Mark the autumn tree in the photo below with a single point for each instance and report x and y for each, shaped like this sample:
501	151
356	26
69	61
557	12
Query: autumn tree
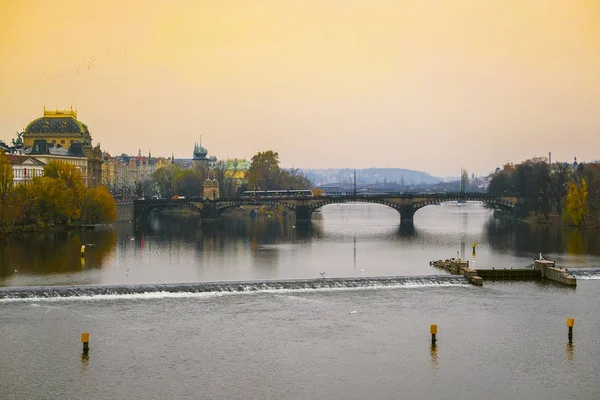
6	183
576	203
98	206
71	176
53	200
263	173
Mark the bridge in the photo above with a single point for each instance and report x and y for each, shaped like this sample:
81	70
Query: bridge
406	204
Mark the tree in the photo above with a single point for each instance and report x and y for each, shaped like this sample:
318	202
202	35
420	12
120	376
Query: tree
188	183
6	190
71	175
6	179
53	200
577	202
265	174
98	206
162	180
264	171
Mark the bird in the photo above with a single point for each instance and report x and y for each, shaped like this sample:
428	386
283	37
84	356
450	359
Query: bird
323	275
16	270
89	244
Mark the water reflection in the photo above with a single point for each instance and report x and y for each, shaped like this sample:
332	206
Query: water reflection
531	238
348	240
570	351
434	355
85	361
55	252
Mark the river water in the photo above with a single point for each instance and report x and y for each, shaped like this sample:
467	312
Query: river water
157	331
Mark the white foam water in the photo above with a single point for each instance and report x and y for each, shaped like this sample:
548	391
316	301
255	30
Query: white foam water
211	289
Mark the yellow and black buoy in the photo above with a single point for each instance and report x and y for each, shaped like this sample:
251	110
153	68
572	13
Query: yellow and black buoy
570	323
82	250
433	330
85	339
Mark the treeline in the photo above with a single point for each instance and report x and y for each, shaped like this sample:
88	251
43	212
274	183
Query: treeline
559	189
57	198
264	174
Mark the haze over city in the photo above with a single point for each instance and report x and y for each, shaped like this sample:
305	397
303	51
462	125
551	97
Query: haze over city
426	85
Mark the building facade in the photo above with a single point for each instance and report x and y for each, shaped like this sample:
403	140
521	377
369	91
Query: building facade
74	155
25	168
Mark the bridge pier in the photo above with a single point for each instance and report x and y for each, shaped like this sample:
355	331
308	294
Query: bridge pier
303	213
208	212
407	215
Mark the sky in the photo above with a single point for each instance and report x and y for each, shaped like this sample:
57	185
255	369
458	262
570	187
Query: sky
430	85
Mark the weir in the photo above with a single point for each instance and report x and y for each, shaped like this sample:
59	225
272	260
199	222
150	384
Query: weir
41	292
542	269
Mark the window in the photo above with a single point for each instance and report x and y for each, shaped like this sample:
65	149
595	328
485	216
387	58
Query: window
62	142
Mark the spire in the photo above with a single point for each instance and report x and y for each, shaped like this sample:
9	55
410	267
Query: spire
139	152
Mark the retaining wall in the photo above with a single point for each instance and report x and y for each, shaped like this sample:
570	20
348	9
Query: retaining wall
125	211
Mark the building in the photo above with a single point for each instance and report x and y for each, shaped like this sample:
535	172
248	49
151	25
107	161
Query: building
127	175
211	189
61	129
74	155
25	168
237	171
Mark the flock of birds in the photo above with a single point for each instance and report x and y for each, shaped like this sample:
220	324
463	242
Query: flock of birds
86	65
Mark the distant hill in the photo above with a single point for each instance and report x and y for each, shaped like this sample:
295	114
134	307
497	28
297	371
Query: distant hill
398	176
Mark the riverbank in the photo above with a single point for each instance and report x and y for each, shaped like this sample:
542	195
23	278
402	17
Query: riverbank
557	220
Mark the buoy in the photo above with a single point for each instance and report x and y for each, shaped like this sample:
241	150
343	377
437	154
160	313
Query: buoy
82	249
85	339
433	330
570	323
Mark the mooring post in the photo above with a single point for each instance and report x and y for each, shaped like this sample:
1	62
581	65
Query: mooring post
85	339
570	323
433	331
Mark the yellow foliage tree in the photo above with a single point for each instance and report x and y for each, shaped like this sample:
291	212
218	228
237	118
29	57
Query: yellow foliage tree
52	199
6	183
98	206
576	204
71	176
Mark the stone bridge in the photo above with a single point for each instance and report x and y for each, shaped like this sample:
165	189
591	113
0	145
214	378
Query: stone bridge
303	207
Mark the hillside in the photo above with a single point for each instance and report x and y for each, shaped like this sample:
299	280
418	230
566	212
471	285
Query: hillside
399	176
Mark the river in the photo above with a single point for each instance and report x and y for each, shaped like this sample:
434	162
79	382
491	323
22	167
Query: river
316	337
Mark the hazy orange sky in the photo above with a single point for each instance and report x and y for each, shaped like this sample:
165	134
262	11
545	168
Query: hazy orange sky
432	85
